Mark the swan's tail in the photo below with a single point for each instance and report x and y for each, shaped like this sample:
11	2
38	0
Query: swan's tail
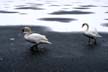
46	42
97	34
49	42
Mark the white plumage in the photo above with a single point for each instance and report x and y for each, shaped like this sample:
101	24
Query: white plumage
35	38
91	35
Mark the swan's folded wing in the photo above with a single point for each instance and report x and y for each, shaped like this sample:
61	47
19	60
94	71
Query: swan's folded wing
92	34
37	38
95	34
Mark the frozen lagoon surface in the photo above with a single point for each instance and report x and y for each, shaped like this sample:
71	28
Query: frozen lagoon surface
58	15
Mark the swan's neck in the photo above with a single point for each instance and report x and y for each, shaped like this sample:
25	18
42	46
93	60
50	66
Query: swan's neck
87	27
26	35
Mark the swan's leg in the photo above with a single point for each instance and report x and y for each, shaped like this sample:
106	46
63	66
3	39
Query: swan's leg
95	41
89	41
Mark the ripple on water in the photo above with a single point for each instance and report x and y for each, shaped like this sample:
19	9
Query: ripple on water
105	19
106	12
76	12
58	19
104	6
81	8
36	4
4	11
31	8
105	24
88	6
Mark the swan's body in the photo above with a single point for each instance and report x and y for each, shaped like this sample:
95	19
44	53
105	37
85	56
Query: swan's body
35	38
91	35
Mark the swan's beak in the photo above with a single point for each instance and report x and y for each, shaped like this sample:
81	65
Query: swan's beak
22	30
50	43
83	25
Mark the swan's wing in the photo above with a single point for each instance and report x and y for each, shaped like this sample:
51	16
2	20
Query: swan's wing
92	34
88	34
96	33
35	37
96	30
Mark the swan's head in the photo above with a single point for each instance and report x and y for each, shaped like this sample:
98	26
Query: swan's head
85	24
26	30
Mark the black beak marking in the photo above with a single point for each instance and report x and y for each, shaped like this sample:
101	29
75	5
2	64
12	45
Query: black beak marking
22	30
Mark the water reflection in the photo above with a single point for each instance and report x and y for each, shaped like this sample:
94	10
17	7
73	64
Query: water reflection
104	6
39	51
55	5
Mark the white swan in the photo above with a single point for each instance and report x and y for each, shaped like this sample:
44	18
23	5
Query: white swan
34	38
91	35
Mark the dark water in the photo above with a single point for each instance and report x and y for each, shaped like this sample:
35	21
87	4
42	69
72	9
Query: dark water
68	53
